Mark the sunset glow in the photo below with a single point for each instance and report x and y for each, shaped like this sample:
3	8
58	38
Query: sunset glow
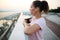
24	4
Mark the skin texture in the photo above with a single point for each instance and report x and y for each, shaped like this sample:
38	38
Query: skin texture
30	30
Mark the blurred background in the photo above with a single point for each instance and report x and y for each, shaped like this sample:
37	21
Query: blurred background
10	11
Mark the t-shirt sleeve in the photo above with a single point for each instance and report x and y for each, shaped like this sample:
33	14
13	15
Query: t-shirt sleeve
41	24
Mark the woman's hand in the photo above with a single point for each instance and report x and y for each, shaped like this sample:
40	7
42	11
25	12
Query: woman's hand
25	23
30	29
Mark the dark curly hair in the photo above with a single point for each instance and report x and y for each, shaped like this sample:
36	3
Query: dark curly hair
43	5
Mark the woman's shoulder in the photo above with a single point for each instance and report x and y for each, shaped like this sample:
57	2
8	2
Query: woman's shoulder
41	22
42	19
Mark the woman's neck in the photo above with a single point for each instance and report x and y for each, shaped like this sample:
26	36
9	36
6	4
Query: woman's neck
38	15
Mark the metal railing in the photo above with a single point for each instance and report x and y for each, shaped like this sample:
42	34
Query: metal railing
5	36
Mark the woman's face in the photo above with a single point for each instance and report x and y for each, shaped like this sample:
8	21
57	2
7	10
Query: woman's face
33	10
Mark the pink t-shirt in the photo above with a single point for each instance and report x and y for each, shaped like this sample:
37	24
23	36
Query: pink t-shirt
39	34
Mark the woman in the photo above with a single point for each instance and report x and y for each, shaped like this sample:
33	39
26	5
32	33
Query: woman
34	29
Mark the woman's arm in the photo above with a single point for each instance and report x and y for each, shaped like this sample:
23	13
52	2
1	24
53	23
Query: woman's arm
31	29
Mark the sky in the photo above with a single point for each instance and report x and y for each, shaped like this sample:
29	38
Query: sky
24	4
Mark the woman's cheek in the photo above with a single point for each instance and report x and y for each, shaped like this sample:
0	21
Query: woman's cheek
31	11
